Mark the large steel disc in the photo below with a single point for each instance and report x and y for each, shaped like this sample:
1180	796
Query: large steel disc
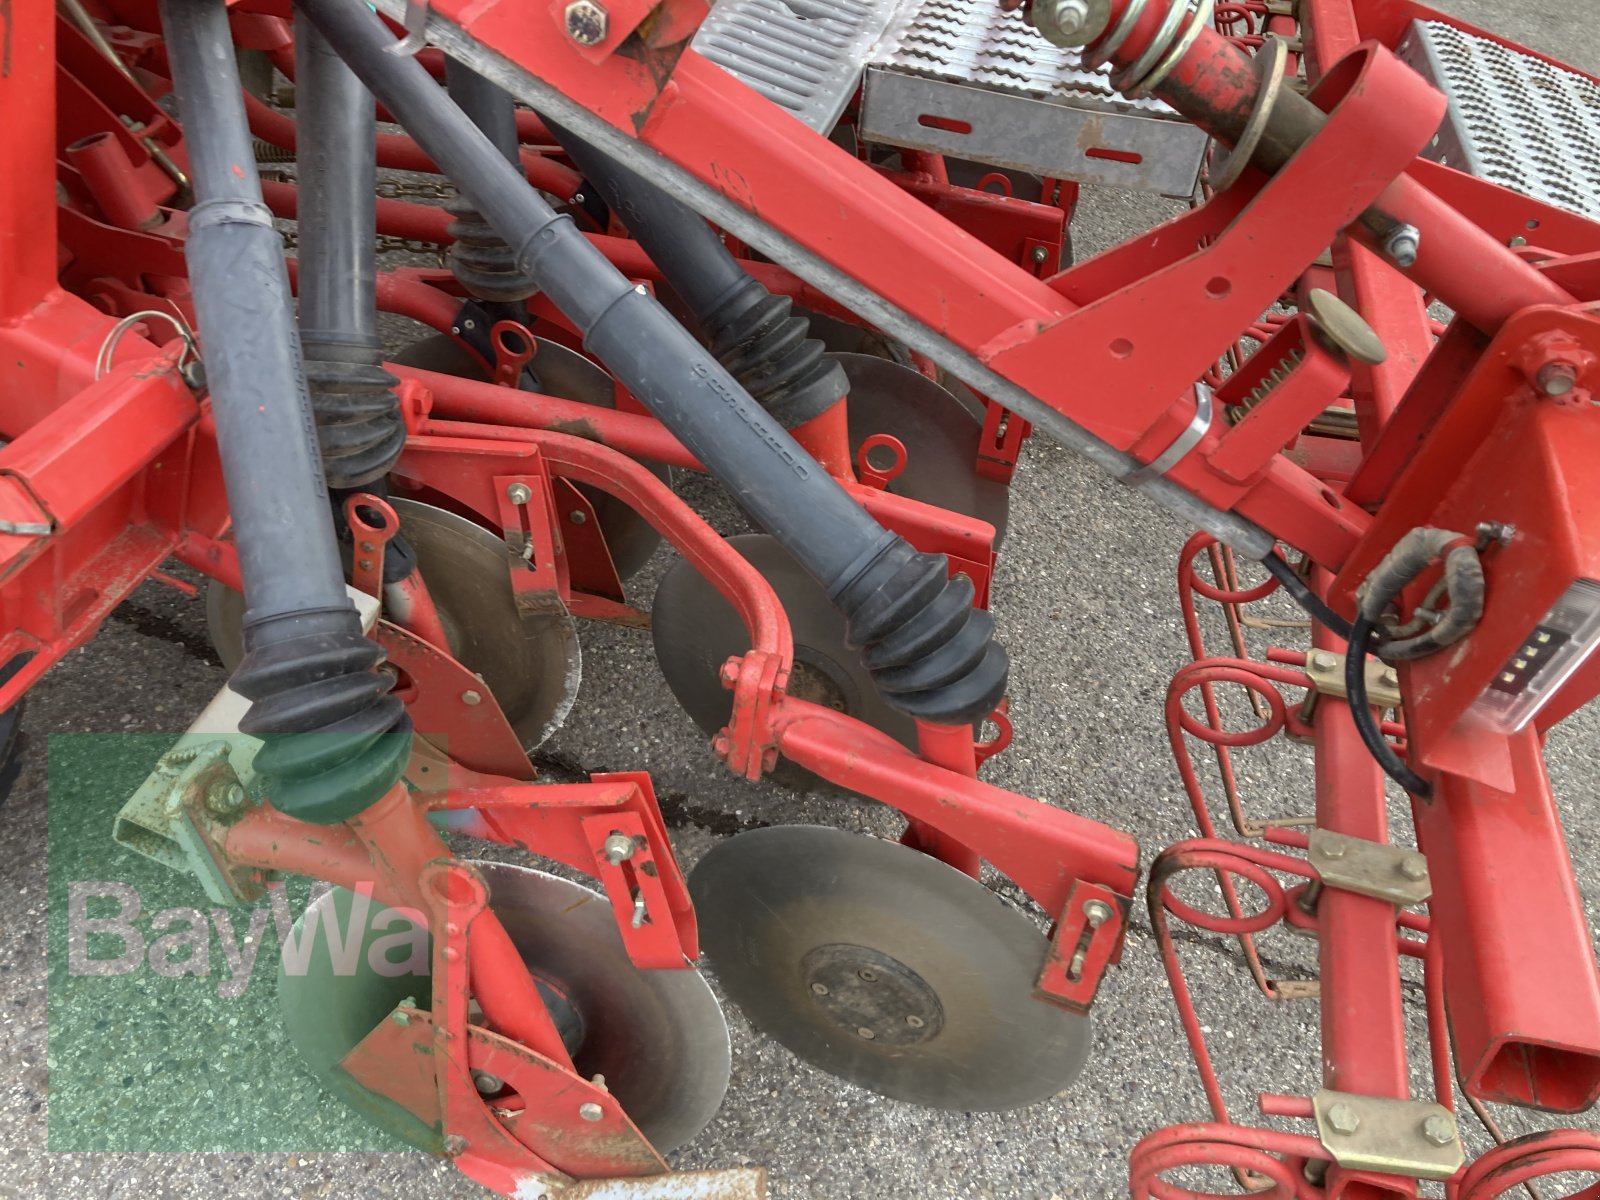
570	376
530	662
885	967
695	631
658	1037
940	434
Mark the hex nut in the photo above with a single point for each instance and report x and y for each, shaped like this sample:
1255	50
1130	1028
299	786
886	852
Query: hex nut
1343	1119
1439	1129
586	22
618	848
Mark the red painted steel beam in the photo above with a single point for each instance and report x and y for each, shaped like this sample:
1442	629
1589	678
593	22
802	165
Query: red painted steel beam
28	152
1043	849
1521	982
1363	1021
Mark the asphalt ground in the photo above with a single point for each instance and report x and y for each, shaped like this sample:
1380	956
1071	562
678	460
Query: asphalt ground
156	1085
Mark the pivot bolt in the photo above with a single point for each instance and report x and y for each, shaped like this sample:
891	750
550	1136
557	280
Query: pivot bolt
618	848
1343	1119
486	1083
1070	23
470	697
1333	847
586	22
1439	1129
1414	866
1096	913
591	1111
1556	378
1402	245
225	798
519	493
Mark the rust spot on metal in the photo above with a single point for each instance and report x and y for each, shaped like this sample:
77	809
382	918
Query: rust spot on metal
578	427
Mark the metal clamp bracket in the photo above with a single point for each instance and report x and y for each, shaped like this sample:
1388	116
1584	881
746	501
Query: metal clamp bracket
1181	445
1326	669
1374	869
1397	1137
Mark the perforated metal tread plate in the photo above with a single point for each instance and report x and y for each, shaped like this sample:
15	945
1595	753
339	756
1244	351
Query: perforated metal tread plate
804	55
1513	119
963	77
996	91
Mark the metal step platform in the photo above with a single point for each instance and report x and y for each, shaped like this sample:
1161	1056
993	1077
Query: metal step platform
957	77
1513	119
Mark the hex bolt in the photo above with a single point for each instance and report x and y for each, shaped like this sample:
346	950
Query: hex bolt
1063	22
1040	254
1556	378
1414	867
1343	1119
519	493
577	516
223	798
470	697
586	22
402	1019
618	847
1402	245
1390	676
1096	913
1324	660
1439	1130
1333	847
591	1111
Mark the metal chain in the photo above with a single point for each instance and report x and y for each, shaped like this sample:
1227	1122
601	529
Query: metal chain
385	243
394	189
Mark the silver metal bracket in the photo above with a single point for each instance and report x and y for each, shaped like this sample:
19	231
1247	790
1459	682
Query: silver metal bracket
1181	445
416	27
1397	1137
1374	869
172	817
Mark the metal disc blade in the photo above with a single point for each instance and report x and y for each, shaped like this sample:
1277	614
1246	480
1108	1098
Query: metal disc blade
885	967
531	663
658	1037
570	376
939	432
695	631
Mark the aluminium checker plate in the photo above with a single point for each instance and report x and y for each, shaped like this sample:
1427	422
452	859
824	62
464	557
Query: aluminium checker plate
962	77
805	56
995	91
1513	119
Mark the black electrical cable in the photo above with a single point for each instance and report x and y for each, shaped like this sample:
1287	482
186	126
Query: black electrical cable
1304	596
1355	686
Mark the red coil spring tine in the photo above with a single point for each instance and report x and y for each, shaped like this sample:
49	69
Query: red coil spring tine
1259	1154
1533	1157
1221	857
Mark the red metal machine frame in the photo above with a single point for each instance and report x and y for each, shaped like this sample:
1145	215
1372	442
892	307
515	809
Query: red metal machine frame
110	468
